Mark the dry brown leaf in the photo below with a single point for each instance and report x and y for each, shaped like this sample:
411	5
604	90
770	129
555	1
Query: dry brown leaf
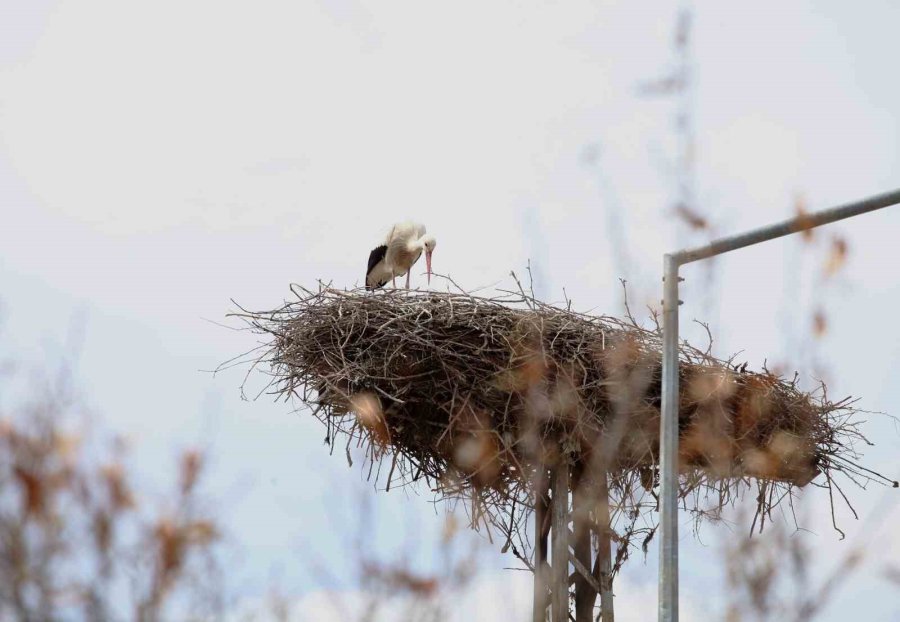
369	413
119	495
803	221
191	463
837	256
691	217
820	324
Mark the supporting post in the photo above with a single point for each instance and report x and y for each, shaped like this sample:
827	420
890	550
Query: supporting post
541	569
668	460
583	498
604	554
559	571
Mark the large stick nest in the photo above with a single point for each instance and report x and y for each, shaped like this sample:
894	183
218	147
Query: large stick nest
471	393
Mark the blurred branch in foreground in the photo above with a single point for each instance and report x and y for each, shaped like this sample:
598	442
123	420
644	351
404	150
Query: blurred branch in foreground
76	543
774	576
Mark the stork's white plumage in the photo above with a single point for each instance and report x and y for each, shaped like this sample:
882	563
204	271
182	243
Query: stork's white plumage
402	248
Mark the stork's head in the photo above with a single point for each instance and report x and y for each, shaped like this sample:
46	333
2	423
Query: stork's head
428	244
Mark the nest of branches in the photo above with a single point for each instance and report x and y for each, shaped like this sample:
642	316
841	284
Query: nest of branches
476	396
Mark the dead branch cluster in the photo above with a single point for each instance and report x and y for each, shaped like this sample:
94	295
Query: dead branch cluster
471	394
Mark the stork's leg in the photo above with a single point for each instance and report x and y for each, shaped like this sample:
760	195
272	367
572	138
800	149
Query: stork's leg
394	281
407	279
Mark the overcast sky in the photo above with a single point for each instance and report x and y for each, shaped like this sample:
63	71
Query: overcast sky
158	159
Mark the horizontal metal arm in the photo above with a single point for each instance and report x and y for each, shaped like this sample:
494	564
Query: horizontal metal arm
794	225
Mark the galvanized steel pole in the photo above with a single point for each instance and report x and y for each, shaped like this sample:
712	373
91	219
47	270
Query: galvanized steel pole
668	433
787	227
668	454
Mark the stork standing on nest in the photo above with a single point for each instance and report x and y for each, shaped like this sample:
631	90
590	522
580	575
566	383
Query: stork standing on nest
401	250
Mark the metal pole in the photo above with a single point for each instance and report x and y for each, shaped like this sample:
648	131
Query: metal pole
787	227
668	460
668	454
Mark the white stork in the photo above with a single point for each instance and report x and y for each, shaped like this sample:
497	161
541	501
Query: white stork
401	249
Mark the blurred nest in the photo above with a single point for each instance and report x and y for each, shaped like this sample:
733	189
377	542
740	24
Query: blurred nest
471	393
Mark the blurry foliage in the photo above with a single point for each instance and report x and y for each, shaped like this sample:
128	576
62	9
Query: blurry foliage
778	576
76	541
767	576
816	267
425	594
380	586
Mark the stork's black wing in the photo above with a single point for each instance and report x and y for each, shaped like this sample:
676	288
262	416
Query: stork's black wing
378	253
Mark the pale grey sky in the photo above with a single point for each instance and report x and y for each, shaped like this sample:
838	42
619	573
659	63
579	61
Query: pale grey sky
159	158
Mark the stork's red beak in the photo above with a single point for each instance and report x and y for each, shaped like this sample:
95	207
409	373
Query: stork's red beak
428	265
